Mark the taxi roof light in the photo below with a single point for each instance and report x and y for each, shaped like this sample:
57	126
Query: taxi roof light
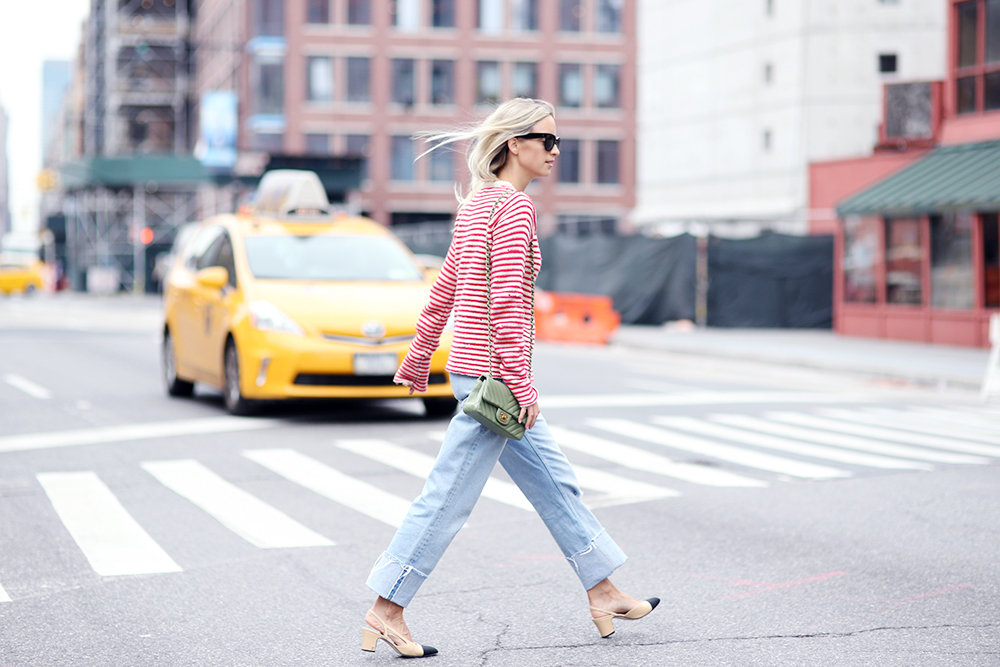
285	193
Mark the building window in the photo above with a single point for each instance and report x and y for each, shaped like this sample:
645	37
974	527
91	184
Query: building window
406	15
441	165
525	83
491	16
268	142
585	225
403	81
269	18
769	7
402	159
487	82
607	79
951	261
766	141
861	248
359	145
570	85
359	12
318	11
319	79
609	15
443	13
442	81
568	162
991	259
317	144
977	74
570	15
607	162
768	73
269	88
358	79
887	63
524	15
903	261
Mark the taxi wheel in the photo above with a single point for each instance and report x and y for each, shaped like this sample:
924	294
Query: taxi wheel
236	403
440	407
175	386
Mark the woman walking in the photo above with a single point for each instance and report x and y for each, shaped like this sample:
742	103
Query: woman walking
514	145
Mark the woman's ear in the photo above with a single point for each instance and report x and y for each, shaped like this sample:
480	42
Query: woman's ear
512	145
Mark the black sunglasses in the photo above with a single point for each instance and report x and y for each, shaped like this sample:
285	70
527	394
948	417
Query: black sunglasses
550	140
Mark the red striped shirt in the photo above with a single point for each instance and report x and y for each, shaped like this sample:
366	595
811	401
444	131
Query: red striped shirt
461	288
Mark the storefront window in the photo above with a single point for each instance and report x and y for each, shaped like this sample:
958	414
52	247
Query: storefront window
861	246
903	256
951	261
991	260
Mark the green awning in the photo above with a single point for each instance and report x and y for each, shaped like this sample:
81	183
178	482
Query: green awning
966	176
128	171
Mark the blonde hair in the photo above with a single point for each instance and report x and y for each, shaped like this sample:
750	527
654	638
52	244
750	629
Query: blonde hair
487	151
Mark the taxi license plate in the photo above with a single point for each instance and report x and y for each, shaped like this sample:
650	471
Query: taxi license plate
376	364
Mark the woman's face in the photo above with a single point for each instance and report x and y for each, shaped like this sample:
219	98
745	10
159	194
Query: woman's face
531	153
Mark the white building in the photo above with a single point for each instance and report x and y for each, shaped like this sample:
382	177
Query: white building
4	177
737	97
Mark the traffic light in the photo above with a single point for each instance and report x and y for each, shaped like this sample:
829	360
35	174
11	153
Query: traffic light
146	236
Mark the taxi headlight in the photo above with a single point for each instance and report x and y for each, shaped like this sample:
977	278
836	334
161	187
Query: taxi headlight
265	316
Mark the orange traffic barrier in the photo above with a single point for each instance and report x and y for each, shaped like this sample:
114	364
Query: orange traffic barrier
578	318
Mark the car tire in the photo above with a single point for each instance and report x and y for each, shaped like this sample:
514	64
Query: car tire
440	407
232	394
175	385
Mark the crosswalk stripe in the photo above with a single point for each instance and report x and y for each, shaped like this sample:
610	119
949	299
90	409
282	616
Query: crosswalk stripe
608	484
648	399
246	515
618	490
3	595
639	459
126	432
956	425
716	450
332	484
812	421
975	444
980	420
984	414
416	463
721	428
924	437
109	537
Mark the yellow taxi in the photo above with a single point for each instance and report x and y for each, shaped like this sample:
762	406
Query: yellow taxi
21	277
290	301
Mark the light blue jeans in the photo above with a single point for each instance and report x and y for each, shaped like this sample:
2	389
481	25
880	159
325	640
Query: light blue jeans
468	455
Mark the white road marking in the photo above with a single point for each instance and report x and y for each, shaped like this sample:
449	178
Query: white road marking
813	422
694	398
113	542
618	490
420	465
127	432
963	442
246	515
639	459
721	428
904	433
3	595
27	386
333	484
974	422
746	457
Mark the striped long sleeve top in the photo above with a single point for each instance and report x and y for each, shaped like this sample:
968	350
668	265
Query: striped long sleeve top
460	289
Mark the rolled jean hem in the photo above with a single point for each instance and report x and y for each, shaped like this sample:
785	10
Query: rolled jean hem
598	560
394	581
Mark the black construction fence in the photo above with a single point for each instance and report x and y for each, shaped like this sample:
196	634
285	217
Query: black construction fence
771	281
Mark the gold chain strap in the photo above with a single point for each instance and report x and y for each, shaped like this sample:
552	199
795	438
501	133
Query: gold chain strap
489	280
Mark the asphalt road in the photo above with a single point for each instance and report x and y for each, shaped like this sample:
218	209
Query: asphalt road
785	516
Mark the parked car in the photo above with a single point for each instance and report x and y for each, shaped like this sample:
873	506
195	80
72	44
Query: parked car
291	301
20	277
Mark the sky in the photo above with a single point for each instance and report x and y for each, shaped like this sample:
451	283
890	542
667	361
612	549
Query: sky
31	31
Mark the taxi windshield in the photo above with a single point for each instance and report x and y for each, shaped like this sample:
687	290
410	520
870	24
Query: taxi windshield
340	258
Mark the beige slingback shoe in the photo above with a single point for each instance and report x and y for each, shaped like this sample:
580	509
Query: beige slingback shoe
604	623
402	645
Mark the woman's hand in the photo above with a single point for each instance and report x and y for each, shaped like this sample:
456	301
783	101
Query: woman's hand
529	415
407	384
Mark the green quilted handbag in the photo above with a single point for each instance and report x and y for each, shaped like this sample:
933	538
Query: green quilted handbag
491	402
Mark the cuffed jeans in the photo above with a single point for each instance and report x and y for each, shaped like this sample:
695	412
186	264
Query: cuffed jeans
468	455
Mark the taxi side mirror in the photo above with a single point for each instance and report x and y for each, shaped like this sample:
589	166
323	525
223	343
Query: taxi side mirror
214	277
